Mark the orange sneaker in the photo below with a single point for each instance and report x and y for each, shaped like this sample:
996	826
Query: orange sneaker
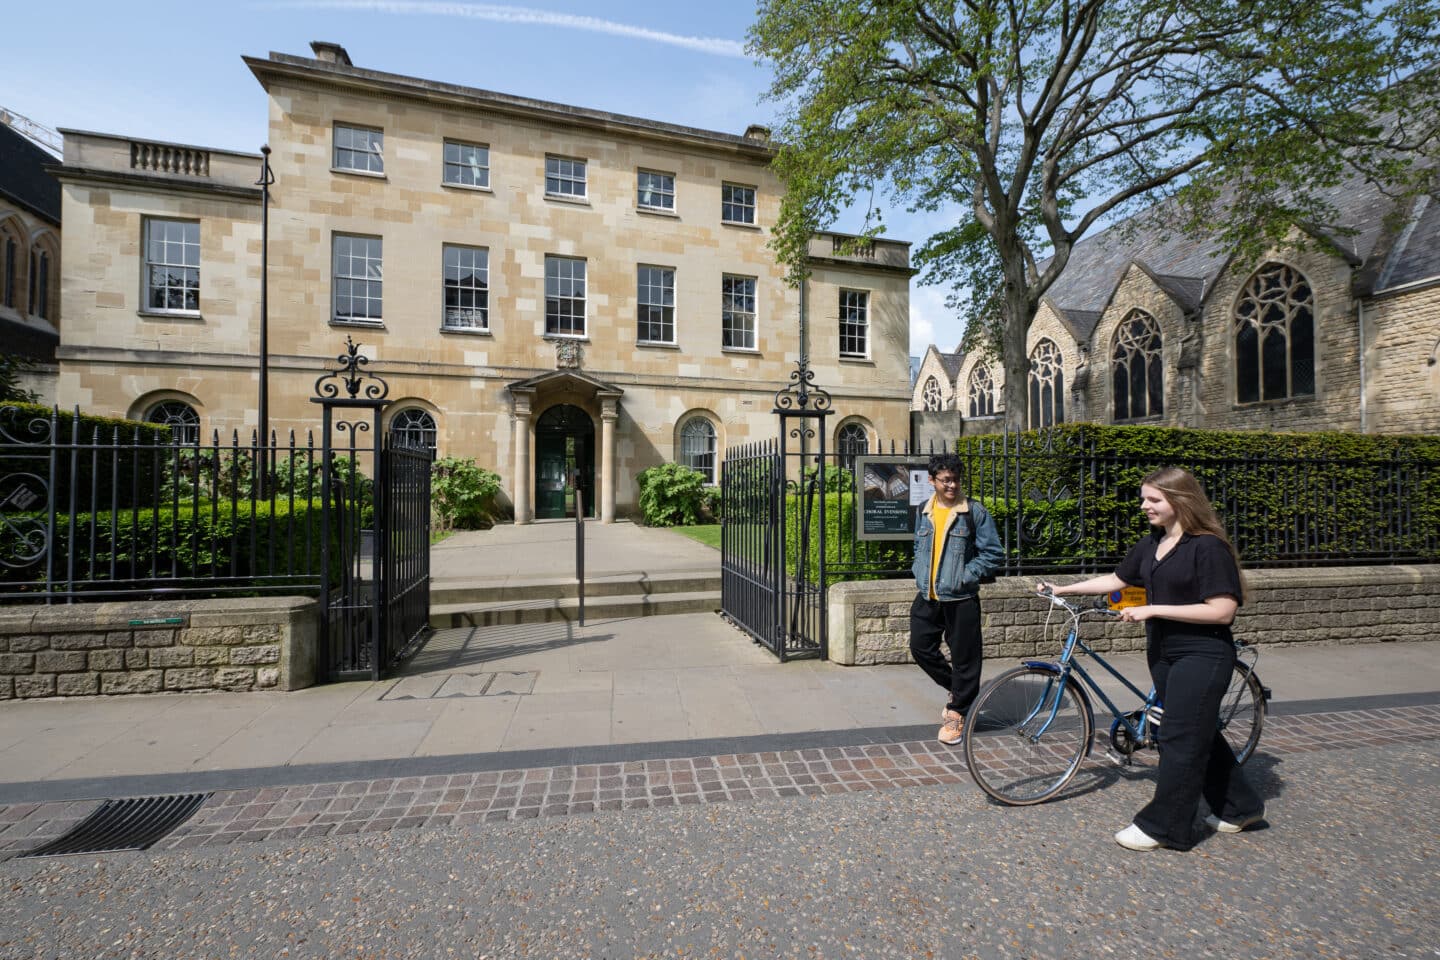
950	731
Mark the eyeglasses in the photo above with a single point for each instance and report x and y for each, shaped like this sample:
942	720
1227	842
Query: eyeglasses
947	481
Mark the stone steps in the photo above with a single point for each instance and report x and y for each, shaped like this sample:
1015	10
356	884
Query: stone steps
494	602
567	608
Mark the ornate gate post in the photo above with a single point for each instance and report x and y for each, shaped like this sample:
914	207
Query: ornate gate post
352	602
802	407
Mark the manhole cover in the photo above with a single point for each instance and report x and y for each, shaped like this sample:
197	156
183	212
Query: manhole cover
130	824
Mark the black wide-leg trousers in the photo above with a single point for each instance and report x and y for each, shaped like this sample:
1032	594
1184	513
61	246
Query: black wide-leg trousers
1191	676
957	622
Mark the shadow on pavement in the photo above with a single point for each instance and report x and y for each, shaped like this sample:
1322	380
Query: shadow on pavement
464	648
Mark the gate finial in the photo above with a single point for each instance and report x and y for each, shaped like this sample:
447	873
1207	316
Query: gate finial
801	395
354	378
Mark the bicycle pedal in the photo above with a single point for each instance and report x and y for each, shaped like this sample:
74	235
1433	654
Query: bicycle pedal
1119	760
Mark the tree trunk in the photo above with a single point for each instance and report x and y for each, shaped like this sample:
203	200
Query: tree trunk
1019	314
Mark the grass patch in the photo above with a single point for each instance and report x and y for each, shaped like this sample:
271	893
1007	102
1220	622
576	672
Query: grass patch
706	533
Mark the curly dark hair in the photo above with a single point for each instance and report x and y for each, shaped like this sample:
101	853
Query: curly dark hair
947	461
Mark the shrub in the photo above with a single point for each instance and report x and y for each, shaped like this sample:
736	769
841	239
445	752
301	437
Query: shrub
671	495
121	460
462	495
189	542
845	557
1282	496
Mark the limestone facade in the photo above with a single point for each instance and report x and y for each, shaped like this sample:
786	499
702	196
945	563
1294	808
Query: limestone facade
550	189
1373	307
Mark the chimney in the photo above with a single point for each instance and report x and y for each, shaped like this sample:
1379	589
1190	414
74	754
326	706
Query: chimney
330	53
757	133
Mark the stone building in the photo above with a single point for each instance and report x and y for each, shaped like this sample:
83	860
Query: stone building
551	290
29	260
1146	327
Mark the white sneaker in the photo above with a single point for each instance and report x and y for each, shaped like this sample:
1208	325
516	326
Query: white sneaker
1233	826
1133	838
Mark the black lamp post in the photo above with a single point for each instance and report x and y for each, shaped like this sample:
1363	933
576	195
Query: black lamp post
267	177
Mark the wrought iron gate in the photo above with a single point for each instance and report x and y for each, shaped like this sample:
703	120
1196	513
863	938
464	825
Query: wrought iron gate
772	541
375	534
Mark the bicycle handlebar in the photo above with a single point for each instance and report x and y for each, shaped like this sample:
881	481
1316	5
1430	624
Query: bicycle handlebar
1077	609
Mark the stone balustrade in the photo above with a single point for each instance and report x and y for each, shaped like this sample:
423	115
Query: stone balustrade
169	158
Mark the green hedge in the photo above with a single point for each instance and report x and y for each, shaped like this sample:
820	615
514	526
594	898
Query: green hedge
184	543
887	558
27	427
1282	495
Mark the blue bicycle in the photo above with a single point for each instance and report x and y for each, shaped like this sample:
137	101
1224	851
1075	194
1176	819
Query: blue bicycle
1032	727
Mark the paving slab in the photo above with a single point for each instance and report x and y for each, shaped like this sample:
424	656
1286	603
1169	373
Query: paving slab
611	685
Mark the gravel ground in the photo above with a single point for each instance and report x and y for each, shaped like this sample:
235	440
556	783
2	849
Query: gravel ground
1344	870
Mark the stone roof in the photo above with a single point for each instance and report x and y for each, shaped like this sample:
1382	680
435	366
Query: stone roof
1186	267
1415	255
951	362
23	179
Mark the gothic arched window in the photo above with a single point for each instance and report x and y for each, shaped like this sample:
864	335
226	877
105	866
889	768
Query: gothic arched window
1136	368
930	394
180	417
414	428
851	441
982	392
1047	386
697	446
1275	336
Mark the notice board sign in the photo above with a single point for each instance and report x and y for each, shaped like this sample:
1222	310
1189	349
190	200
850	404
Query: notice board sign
892	491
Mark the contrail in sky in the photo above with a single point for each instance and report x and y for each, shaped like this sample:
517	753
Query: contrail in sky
505	14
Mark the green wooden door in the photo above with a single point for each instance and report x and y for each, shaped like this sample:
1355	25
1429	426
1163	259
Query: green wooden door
551	467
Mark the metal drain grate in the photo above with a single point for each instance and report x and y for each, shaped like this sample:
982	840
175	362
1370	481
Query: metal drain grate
130	824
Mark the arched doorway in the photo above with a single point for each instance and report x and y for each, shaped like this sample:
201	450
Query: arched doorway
564	459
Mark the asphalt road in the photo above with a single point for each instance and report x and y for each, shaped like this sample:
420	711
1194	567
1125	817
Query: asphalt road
1344	869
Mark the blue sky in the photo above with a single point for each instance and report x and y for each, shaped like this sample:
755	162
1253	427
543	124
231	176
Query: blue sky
172	70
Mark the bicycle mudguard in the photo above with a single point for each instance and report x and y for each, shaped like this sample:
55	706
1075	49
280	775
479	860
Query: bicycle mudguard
1052	667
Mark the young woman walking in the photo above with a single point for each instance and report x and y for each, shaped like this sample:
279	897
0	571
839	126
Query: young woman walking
1191	576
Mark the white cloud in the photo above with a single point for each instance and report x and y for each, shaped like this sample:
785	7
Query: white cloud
498	13
931	321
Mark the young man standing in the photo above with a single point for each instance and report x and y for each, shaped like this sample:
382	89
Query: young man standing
956	544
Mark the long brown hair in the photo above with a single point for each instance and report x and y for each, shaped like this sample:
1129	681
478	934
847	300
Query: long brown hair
1193	509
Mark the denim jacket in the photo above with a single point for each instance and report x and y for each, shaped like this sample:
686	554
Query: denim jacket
972	550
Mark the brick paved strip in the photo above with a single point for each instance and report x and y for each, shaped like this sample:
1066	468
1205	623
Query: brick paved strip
361	806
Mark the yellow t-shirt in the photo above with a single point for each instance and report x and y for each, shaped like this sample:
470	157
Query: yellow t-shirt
940	517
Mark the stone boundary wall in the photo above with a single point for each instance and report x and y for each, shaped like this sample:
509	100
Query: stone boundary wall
84	649
870	620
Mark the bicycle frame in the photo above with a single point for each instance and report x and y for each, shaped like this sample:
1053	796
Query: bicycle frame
1067	665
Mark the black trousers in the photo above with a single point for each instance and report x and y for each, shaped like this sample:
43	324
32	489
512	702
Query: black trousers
957	622
1191	676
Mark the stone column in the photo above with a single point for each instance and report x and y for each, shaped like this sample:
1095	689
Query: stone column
524	482
609	413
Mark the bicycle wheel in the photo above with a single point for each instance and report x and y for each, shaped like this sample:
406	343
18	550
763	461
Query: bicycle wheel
1025	735
1242	712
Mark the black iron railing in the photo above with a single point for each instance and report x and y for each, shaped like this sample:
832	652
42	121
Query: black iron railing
1062	506
87	512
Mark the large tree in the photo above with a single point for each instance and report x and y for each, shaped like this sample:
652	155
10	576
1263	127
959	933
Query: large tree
1038	120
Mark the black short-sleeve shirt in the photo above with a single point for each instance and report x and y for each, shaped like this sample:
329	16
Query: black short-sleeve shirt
1198	568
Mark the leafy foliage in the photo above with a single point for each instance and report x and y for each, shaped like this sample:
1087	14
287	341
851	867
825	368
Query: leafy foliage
1029	124
462	494
671	494
1282	496
12	368
126	461
196	541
